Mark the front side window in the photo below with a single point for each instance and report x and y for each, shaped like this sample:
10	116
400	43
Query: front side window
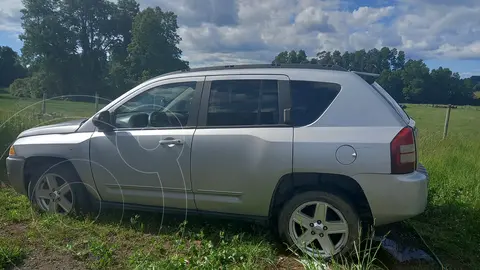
310	99
243	103
161	106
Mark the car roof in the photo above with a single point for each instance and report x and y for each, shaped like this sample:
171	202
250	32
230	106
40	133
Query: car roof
239	69
265	69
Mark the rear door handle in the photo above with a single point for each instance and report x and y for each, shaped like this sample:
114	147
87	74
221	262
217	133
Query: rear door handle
171	142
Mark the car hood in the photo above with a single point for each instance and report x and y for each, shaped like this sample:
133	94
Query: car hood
60	128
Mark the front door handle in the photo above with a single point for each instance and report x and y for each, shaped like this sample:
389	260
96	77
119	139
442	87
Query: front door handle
171	142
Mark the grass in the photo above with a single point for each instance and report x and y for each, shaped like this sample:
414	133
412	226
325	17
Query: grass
54	105
452	219
11	252
450	224
141	242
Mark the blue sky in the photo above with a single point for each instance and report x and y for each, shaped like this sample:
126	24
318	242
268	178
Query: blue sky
442	32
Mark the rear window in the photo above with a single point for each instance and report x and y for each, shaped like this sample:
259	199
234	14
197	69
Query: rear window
391	101
310	100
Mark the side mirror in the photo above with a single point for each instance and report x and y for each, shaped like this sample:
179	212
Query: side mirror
103	121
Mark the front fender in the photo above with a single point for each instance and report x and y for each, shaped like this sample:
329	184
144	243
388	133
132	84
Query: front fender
74	147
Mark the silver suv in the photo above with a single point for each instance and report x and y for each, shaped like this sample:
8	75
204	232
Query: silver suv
317	151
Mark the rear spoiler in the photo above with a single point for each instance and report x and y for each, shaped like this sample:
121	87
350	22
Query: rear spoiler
368	77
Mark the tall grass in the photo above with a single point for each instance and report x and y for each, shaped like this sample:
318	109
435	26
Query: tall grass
452	220
363	256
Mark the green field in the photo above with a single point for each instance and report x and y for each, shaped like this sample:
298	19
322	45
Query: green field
450	226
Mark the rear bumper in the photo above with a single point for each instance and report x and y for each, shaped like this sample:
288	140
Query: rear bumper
394	198
15	174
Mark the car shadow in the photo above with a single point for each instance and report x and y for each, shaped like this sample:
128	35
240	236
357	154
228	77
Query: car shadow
158	223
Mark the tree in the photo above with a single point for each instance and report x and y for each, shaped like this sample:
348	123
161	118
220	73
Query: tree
123	19
302	57
325	58
92	25
153	49
399	61
337	58
347	60
373	61
281	58
409	81
96	46
48	45
392	82
10	67
438	90
385	55
461	91
118	78
415	76
292	57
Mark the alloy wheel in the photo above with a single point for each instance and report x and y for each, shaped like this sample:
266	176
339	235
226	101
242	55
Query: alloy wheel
318	229
53	194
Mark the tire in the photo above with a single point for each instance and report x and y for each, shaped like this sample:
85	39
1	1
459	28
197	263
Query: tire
334	236
61	184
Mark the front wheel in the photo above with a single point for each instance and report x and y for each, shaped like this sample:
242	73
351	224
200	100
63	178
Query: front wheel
319	224
57	189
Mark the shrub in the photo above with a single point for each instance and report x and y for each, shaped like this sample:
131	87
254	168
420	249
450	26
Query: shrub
27	87
20	87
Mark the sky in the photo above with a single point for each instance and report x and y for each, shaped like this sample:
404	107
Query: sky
219	32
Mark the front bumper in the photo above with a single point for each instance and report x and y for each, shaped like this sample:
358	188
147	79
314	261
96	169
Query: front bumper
394	198
15	174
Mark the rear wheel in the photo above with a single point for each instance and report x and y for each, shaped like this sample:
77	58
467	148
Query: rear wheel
57	189
319	224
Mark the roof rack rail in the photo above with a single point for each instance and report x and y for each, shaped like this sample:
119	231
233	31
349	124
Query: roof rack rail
273	65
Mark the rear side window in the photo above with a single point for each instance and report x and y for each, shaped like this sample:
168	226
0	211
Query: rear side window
310	100
391	101
243	103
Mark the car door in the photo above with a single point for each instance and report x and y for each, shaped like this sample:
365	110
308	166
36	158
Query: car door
242	145
146	158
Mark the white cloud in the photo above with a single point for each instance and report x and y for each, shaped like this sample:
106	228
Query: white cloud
252	31
367	15
10	15
194	13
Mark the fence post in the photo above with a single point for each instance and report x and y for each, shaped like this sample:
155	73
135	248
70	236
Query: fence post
447	119
44	106
96	102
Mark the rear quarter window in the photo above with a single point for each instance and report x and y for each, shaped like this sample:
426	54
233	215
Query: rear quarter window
310	99
391	101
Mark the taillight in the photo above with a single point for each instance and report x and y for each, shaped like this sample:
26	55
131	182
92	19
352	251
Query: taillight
403	152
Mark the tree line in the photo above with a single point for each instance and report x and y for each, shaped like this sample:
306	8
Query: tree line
406	80
82	47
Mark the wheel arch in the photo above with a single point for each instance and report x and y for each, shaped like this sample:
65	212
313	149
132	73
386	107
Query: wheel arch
34	162
295	183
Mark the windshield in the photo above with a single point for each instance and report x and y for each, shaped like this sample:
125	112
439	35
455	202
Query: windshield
156	99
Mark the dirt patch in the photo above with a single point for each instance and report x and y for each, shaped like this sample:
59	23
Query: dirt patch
41	258
38	257
285	262
13	229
